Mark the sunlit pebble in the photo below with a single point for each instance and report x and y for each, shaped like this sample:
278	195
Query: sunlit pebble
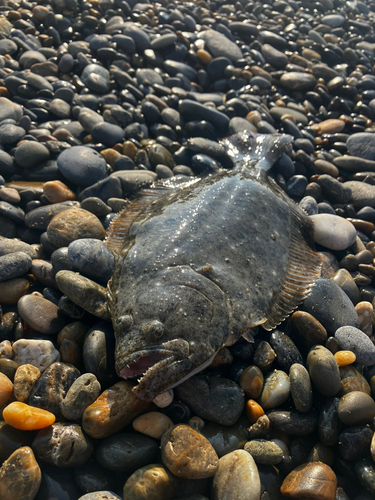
164	399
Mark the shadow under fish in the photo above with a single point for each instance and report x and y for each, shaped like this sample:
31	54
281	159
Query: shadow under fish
201	262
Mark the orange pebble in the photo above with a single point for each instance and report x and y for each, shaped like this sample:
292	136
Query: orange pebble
344	358
6	389
253	411
27	418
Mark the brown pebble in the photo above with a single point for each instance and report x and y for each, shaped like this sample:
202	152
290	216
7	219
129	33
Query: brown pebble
223	357
129	149
12	290
73	331
352	380
20	476
356	408
6	389
204	56
24	380
74	224
188	454
114	409
314	480
10	195
41	314
6	349
152	424
309	327
152	482
251	381
264	355
44	272
110	155
321	453
71	353
365	312
57	192
330	126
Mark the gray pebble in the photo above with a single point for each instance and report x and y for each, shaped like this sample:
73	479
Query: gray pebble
30	154
353	339
82	165
14	264
324	371
92	258
300	387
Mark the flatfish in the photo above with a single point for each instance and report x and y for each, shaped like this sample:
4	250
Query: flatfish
200	263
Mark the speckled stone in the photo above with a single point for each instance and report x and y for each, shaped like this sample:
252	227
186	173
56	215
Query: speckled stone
24	380
293	422
100	495
151	482
72	225
20	476
83	392
353	339
264	452
188	454
14	265
237	477
39	353
300	387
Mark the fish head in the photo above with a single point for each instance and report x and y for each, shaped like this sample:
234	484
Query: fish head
173	329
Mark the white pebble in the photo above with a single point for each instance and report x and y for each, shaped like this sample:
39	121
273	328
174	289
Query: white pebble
39	353
164	399
333	232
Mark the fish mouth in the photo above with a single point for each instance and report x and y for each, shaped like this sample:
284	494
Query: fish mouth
140	362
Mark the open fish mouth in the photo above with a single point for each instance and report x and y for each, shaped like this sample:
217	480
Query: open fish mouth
140	362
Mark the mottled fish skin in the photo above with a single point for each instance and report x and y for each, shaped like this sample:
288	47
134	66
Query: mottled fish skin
198	268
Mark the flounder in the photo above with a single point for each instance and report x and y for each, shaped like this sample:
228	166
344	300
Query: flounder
201	262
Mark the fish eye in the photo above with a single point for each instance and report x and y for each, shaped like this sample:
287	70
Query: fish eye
154	329
125	322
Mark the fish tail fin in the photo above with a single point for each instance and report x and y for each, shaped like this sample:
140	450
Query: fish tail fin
255	150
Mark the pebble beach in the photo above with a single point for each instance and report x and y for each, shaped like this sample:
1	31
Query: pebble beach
100	99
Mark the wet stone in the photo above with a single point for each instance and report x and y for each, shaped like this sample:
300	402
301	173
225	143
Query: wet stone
8	367
264	356
300	387
153	481
285	349
113	410
355	442
98	352
293	422
355	340
324	371
126	452
345	281
24	380
152	424
84	292
51	388
63	445
74	224
237	474
91	476
100	495
40	314
14	265
251	381
188	454
6	389
57	192
39	218
352	380
38	353
96	206
216	399
356	408
276	390
309	327
264	452
365	472
27	418
83	392
20	476
313	480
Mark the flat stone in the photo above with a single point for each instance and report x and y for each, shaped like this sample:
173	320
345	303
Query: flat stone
293	422
10	110
12	290
297	81
30	154
92	258
362	144
187	453
153	481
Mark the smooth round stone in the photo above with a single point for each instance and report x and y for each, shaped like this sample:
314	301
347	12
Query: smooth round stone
365	472
8	367
27	418
40	314
6	389
217	399
96	78
8	246
8	47
152	424
345	281
6	349
264	452
82	166
324	371
365	311
356	408
330	305
330	126
352	380
10	110
220	46
84	292
362	144
30	154
275	57
83	392
113	410
10	195
293	422
20	476
126	452
11	134
355	442
60	108
187	453
309	327
276	390
13	265
300	387
63	445
100	495
98	352
72	225
333	232
313	480
12	290
24	380
44	272
294	80
285	349
363	194
153	482
51	388
107	133
251	381
38	353
92	258
353	339
88	118
236	477
40	217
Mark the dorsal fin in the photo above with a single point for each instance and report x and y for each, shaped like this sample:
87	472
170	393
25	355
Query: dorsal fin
122	223
255	150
